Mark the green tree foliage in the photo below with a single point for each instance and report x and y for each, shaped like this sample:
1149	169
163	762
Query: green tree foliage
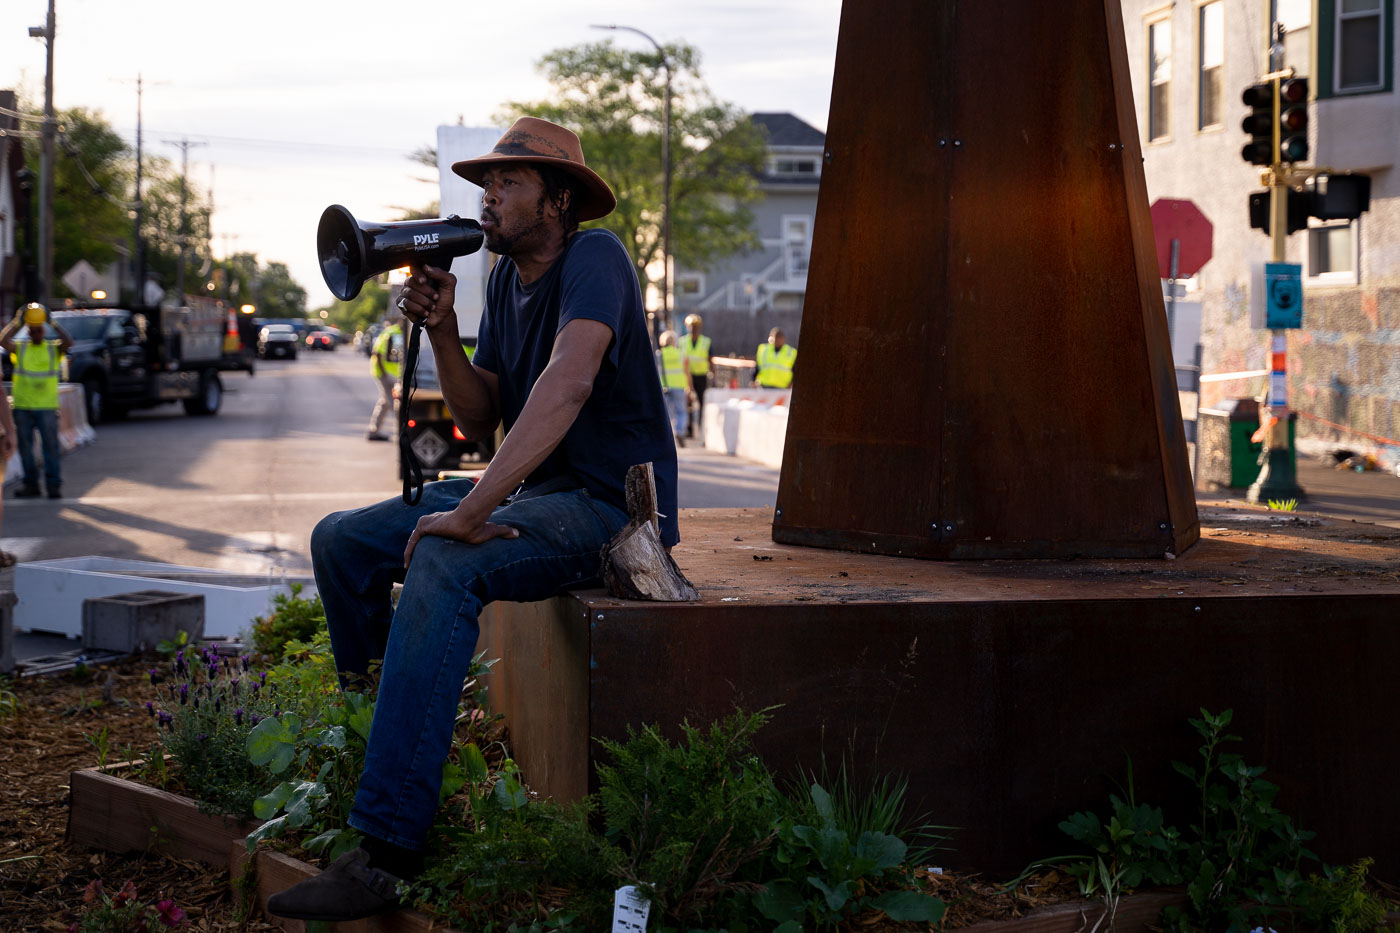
94	203
92	178
160	225
278	294
614	99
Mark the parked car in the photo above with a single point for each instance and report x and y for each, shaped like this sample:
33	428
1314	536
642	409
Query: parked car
320	340
277	340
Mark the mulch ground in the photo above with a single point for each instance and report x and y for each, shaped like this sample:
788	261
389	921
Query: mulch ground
57	729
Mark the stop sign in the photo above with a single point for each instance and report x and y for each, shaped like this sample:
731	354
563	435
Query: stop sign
1181	220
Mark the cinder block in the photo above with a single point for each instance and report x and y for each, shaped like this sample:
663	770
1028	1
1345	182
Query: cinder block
134	622
7	632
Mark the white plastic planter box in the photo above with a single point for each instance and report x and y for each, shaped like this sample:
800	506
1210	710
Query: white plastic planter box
51	592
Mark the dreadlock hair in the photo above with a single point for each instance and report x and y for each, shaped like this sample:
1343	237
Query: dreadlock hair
556	181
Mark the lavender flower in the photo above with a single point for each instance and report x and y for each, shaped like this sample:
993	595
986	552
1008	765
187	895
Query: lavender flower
237	716
184	694
164	718
253	719
180	661
150	708
155	676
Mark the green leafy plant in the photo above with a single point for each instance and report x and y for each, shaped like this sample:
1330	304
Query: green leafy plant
1243	857
313	750
1337	901
292	620
9	701
123	912
836	868
167	647
101	741
1133	847
205	706
688	816
1240	860
1284	505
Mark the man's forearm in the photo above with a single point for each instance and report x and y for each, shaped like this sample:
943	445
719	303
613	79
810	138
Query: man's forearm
553	405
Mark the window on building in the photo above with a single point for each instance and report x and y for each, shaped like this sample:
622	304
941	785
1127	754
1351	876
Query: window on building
1333	253
801	167
1211	53
1295	16
1360	45
690	284
797	243
1159	65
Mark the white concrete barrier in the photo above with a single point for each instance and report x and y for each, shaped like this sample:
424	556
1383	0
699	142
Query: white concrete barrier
748	423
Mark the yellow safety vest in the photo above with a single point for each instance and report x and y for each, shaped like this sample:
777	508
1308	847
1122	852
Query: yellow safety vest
37	368
775	366
392	365
699	353
672	371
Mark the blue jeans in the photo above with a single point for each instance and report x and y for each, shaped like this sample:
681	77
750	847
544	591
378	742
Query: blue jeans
427	644
680	416
45	421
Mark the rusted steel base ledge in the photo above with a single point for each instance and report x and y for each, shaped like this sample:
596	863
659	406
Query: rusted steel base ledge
1008	692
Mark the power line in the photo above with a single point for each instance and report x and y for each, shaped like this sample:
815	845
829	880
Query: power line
287	143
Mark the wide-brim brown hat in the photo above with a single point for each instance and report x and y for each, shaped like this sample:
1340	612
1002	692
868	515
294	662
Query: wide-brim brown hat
534	140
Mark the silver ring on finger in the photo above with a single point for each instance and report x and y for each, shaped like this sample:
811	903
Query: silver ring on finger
403	303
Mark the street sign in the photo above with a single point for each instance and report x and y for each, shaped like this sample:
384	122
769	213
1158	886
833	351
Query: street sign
1181	220
1283	295
82	279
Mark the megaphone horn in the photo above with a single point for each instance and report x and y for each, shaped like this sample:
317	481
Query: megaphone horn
352	251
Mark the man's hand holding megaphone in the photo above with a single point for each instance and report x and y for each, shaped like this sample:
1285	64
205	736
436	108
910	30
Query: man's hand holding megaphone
429	298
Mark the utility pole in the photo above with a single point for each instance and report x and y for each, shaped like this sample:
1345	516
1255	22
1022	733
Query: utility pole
1278	476
47	134
184	145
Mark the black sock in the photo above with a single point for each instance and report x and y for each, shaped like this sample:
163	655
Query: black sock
396	860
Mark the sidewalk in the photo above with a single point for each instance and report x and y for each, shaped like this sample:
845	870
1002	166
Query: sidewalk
1372	497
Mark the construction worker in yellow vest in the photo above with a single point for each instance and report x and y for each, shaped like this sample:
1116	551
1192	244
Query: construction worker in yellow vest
675	381
38	364
696	346
386	363
775	360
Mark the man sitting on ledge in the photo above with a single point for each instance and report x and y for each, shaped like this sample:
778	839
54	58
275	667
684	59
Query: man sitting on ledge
564	361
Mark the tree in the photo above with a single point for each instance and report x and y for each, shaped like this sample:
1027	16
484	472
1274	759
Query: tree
614	100
160	226
92	175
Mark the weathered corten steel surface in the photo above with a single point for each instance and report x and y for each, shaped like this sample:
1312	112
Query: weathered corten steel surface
985	368
1009	692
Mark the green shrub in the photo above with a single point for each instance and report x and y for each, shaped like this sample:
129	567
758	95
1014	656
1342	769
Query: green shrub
293	619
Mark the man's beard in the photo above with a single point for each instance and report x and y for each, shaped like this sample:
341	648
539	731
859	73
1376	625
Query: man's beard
504	244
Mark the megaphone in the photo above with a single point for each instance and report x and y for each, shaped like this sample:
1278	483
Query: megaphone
352	251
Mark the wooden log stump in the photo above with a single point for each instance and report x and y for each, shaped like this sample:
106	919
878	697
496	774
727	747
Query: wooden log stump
635	563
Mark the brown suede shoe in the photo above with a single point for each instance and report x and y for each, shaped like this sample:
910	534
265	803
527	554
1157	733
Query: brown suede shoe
348	890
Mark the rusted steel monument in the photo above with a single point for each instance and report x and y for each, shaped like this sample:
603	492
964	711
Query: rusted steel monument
985	376
986	370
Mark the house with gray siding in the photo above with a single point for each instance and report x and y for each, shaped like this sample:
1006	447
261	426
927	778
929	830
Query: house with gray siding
745	295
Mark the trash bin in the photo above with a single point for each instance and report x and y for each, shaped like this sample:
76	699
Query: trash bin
1228	455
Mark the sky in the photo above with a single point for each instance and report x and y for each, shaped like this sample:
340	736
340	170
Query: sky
292	106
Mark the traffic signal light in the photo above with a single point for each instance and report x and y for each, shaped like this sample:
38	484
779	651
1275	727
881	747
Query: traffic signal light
1339	197
1296	216
1293	120
1259	124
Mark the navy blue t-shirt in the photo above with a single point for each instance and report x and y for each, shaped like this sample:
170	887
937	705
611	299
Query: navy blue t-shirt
624	421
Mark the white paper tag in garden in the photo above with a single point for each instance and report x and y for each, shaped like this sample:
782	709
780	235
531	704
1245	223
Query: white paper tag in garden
630	909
